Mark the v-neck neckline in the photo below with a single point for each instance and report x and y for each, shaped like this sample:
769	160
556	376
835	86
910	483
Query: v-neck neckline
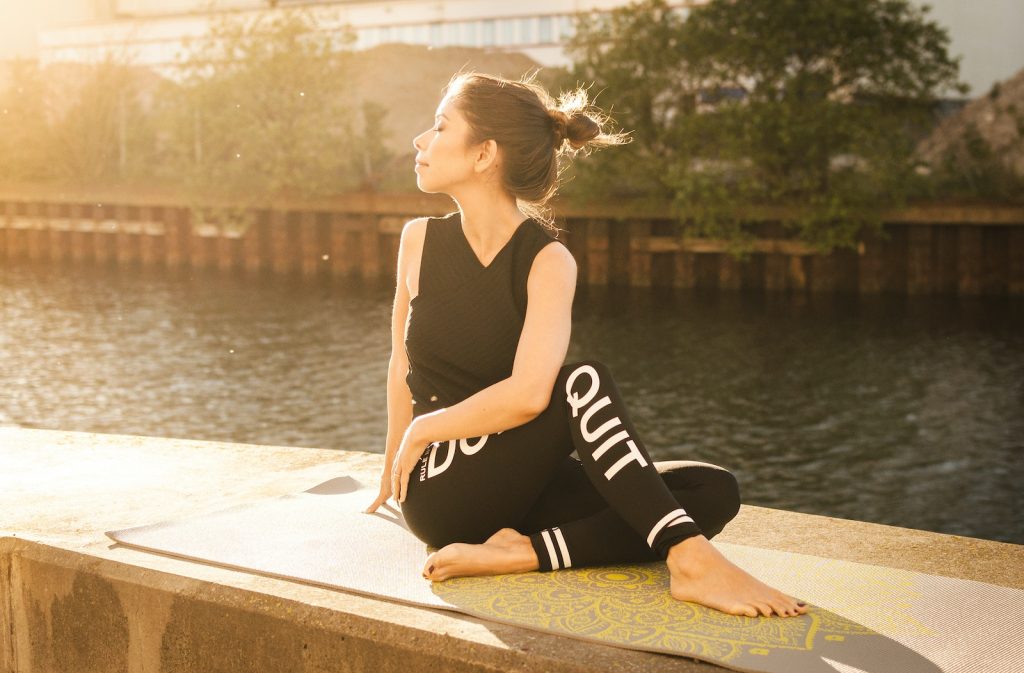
508	243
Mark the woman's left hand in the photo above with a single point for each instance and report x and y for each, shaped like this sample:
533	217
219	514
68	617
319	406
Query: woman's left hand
408	454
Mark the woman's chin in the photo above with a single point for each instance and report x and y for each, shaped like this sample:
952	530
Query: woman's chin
425	187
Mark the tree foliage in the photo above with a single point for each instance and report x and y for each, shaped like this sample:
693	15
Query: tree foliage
261	112
259	108
77	123
811	106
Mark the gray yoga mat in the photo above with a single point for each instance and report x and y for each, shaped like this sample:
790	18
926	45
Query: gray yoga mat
863	617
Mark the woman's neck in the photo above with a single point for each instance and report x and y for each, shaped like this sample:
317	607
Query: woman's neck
488	222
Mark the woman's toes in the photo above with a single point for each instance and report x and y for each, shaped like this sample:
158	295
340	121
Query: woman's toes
747	610
435	567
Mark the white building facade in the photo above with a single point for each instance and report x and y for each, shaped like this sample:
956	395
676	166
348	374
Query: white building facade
151	32
986	33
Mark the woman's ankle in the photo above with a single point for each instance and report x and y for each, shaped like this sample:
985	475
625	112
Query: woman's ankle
688	551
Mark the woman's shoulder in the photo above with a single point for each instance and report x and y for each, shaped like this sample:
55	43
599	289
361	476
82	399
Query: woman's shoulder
543	239
550	255
414	231
543	230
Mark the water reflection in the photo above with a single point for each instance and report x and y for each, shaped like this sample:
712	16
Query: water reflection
890	409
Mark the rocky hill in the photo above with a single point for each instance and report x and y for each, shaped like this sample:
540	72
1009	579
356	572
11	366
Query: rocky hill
997	118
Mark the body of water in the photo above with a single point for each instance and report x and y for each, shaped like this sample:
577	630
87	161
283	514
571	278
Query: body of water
899	410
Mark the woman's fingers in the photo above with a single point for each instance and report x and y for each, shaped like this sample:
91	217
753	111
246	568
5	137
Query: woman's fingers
396	482
376	503
405	485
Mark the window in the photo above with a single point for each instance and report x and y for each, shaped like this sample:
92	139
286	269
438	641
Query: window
384	34
471	33
544	25
507	30
526	32
364	38
566	28
435	35
451	33
488	30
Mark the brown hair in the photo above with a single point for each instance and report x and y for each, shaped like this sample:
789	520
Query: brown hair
533	130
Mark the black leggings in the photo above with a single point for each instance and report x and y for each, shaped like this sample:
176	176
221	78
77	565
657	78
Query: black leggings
612	505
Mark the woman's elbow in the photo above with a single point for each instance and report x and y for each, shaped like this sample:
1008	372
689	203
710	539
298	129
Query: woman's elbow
532	397
537	402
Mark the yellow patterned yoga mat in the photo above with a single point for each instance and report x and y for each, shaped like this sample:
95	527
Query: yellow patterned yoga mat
863	617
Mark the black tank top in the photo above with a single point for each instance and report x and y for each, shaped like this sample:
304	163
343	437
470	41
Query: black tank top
464	323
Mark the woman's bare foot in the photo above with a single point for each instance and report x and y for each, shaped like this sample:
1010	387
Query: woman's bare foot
701	574
507	551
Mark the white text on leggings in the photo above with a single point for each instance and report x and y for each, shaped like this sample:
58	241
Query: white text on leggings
428	464
608	428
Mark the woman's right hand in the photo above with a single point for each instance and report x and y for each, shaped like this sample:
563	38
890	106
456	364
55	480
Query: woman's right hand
383	494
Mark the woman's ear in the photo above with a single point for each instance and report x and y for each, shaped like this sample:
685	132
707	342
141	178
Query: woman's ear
487	156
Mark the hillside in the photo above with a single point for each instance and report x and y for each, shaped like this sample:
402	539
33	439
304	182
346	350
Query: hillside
408	81
997	118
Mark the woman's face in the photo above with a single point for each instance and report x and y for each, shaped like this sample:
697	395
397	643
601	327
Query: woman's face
443	159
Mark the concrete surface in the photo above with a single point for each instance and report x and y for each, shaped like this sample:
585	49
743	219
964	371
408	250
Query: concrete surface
70	600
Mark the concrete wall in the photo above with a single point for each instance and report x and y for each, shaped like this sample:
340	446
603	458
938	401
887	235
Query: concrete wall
72	601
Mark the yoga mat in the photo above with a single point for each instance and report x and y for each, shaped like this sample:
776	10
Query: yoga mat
862	618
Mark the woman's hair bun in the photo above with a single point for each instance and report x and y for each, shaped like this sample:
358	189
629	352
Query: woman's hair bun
577	127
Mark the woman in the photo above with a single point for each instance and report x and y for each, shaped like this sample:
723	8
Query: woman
483	414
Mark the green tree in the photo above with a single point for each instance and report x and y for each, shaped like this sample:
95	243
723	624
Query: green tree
76	122
810	107
370	156
631	58
24	134
261	113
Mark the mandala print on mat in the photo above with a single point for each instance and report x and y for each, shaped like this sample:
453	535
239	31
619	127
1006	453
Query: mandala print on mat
632	604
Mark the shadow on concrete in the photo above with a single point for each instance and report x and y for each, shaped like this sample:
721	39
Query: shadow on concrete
336	486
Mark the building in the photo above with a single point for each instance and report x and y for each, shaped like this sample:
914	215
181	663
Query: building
150	32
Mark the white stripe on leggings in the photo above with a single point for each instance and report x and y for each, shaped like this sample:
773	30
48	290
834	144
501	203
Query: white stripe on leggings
609	443
679	520
551	549
675	516
561	547
633	455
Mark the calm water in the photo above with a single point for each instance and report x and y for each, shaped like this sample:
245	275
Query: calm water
894	410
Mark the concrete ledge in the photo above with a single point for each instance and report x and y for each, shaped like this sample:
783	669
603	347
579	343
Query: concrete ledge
70	600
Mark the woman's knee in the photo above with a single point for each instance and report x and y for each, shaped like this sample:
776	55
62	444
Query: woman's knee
730	490
712	491
723	487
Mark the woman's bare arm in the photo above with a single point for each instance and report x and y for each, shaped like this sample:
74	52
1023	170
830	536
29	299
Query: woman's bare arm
399	397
